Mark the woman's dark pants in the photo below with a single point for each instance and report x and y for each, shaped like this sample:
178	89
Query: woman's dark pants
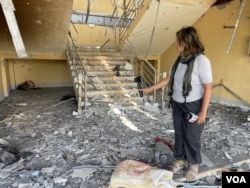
187	135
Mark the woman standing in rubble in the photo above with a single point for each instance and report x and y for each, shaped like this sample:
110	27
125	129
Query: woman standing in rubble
189	88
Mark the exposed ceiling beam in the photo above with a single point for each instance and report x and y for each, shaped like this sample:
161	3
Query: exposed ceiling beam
8	10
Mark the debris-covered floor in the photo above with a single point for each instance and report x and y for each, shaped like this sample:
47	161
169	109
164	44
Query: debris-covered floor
54	148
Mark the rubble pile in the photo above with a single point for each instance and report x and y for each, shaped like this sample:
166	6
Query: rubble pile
58	149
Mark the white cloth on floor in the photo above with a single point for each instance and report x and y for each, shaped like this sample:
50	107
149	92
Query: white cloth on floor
135	174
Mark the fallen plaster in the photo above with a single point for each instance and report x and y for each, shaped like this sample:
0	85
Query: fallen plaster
54	148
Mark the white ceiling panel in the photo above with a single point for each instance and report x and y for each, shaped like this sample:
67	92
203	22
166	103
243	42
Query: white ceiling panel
160	23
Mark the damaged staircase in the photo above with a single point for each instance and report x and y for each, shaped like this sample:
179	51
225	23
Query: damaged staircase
103	76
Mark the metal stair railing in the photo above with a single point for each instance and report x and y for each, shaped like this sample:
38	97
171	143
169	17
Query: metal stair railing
131	10
78	72
142	67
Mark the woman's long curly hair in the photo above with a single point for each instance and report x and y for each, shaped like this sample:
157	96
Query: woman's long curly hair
188	38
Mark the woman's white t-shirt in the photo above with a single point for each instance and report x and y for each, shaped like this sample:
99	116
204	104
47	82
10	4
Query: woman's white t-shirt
201	74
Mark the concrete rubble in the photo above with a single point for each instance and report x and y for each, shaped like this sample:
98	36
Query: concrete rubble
55	148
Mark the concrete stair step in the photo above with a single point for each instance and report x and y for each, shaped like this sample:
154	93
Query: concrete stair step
118	79
101	53
83	49
112	86
125	101
104	62
103	67
108	86
121	93
133	103
109	80
109	73
112	80
94	58
128	100
96	67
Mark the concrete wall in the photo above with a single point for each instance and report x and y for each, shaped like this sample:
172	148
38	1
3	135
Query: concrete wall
4	79
45	73
1	82
96	35
92	36
44	29
230	69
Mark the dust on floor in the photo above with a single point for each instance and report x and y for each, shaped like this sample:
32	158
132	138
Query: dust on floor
58	149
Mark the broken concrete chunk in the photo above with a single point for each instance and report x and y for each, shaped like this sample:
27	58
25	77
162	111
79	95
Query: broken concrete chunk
91	162
60	180
97	80
49	183
213	128
154	107
74	113
70	134
24	185
4	142
128	66
21	104
206	161
163	148
82	173
48	170
114	140
228	156
230	141
6	157
25	173
211	180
